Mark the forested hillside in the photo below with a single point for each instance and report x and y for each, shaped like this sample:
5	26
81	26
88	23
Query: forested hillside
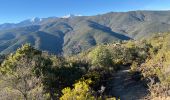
128	70
72	35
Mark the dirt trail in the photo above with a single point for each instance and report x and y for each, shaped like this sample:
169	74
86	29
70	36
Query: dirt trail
124	87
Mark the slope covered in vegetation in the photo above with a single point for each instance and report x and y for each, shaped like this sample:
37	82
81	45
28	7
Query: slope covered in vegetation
76	34
102	72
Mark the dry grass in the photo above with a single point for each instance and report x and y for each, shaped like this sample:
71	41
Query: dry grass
161	98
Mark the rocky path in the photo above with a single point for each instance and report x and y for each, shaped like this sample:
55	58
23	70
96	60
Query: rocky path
126	88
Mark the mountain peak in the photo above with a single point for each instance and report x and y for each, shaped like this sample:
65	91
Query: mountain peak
36	19
71	15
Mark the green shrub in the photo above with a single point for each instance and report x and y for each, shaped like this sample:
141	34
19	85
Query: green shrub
100	57
81	91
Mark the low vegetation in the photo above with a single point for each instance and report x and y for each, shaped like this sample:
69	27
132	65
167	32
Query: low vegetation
32	74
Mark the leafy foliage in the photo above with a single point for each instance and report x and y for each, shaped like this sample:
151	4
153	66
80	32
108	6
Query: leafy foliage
81	91
17	71
100	57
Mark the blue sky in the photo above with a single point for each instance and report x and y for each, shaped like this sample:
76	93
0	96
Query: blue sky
18	10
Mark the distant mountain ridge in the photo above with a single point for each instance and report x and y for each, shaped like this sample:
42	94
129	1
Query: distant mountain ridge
33	21
72	35
27	22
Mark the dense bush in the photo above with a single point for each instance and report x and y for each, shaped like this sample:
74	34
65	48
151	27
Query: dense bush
100	57
28	70
17	74
81	91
